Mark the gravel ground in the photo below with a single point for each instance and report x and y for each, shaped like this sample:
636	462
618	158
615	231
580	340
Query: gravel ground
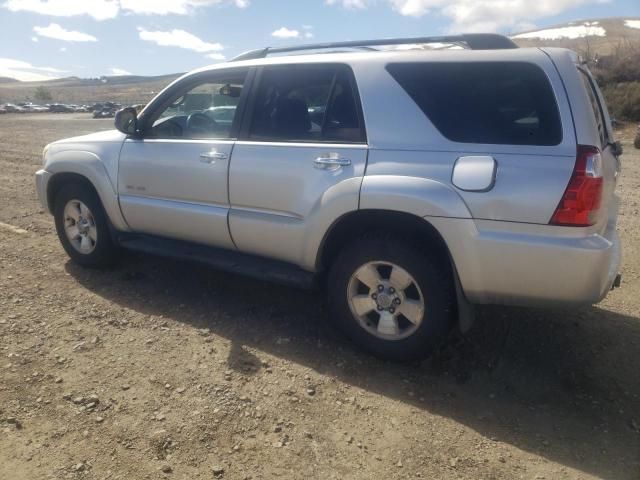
160	369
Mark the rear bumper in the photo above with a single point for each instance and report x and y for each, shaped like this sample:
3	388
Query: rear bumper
42	183
537	266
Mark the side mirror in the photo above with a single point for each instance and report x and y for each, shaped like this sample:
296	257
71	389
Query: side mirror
616	149
127	121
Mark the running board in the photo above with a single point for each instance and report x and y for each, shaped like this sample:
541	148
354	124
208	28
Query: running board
226	260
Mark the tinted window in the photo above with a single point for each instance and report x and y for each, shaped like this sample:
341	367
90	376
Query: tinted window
595	107
484	102
205	110
312	103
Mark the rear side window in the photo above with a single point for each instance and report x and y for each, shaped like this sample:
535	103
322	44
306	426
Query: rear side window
507	103
595	106
308	103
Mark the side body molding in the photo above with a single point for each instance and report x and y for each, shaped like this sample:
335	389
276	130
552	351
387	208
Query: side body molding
419	196
90	166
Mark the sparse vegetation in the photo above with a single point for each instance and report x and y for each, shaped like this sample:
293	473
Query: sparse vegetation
42	94
618	75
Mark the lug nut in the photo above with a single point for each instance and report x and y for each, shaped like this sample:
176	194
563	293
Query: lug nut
380	308
392	310
397	301
392	290
380	288
374	295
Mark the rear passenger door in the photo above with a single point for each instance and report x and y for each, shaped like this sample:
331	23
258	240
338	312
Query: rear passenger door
299	162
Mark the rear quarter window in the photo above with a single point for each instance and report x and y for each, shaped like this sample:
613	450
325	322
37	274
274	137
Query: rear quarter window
507	103
598	115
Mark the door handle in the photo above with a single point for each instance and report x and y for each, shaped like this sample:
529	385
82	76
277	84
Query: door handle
331	162
212	156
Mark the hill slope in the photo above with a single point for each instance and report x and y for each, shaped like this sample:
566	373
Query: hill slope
124	89
588	37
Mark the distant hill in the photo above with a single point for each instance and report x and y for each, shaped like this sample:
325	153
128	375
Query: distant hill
122	88
602	36
7	80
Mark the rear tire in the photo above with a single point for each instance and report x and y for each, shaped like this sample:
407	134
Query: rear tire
392	298
83	227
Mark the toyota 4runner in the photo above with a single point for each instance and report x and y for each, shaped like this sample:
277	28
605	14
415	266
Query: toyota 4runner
409	184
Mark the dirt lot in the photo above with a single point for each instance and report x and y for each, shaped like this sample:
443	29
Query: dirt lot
160	369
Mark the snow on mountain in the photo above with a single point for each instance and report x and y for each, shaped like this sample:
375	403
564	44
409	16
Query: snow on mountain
586	29
632	23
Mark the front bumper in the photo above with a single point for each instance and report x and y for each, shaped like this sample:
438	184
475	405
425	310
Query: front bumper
42	183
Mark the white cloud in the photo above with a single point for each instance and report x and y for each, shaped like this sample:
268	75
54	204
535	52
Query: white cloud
118	71
284	32
56	31
106	9
351	4
98	9
216	56
476	15
35	39
308	31
26	72
164	7
179	38
63	49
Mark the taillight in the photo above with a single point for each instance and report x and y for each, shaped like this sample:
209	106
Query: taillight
581	200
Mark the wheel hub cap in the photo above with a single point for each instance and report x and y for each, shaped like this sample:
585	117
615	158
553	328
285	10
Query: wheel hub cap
385	300
80	226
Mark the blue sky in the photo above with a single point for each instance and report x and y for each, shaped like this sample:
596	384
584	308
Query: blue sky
90	38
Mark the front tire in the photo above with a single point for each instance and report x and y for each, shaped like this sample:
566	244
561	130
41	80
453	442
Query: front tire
392	298
83	227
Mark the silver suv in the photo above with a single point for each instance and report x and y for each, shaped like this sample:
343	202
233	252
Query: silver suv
410	184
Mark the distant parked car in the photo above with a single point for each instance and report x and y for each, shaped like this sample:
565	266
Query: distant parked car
104	113
11	108
222	115
60	108
3	110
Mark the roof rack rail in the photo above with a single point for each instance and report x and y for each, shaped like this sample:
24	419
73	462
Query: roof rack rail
474	41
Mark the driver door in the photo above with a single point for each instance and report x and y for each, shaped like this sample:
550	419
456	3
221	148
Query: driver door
172	181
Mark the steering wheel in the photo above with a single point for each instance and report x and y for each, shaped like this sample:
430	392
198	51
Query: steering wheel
198	122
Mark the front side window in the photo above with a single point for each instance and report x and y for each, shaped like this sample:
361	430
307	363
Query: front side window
206	110
307	103
507	103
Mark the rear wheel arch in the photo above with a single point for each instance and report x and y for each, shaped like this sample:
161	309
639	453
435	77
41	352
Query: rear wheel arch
416	229
360	222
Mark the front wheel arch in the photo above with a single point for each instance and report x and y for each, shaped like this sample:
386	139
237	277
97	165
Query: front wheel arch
59	180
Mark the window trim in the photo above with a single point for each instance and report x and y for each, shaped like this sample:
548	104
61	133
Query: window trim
554	96
245	128
163	100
